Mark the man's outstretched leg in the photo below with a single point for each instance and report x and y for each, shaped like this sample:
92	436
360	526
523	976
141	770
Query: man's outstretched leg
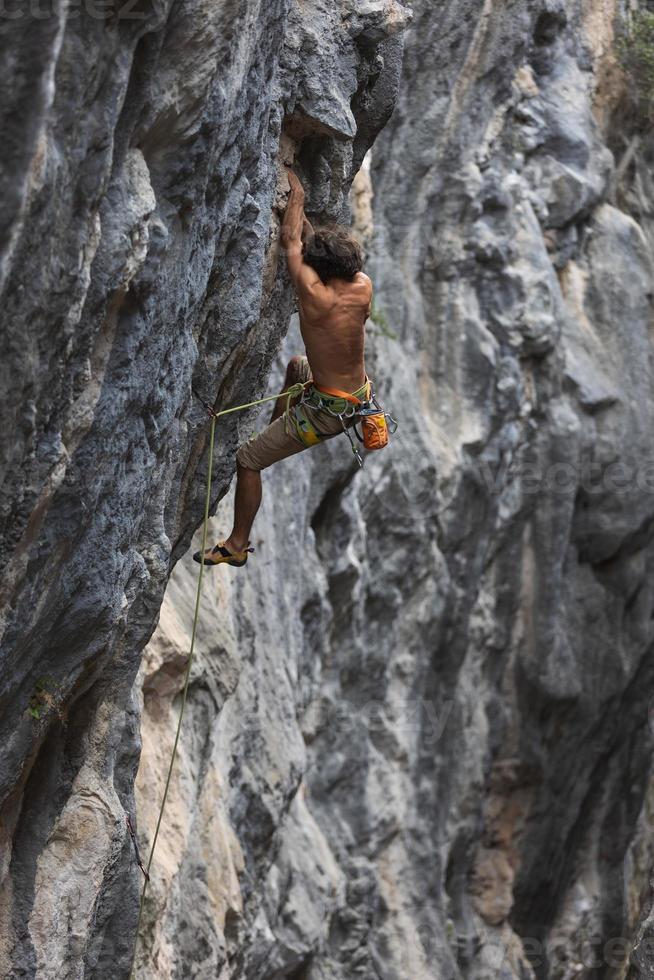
247	500
274	443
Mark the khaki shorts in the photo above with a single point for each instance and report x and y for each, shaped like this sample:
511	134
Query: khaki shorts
280	438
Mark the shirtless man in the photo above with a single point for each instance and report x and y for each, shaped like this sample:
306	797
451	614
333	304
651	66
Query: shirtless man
334	299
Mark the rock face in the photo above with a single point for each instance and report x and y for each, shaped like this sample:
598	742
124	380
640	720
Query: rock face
417	740
142	148
418	743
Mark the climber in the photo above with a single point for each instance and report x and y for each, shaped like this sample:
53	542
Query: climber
334	301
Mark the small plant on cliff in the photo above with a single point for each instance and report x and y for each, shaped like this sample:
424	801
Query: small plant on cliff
635	48
380	320
44	698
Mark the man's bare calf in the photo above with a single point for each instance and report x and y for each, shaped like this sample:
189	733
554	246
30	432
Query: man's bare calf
247	501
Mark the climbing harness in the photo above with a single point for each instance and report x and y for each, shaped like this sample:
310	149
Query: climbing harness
305	428
366	410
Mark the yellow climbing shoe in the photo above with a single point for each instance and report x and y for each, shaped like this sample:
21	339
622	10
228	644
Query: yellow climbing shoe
219	555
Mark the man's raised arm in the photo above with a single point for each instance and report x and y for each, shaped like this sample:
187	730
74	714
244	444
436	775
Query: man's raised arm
295	228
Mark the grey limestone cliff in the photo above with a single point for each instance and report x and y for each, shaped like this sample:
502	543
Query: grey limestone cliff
142	145
417	744
420	743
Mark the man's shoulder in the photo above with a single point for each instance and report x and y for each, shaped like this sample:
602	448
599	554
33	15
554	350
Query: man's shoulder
364	280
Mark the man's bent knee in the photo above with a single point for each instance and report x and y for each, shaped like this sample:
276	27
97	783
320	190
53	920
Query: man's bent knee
243	464
245	470
295	367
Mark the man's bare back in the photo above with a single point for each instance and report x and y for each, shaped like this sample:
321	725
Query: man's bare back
333	312
333	330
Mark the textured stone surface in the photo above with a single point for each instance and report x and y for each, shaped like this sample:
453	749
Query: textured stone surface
417	741
425	702
138	257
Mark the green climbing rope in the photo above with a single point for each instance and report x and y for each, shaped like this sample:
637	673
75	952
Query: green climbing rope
292	392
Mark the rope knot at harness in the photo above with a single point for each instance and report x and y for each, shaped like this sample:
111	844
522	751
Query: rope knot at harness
295	391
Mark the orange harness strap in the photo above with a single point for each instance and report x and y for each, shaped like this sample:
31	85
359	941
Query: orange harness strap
336	393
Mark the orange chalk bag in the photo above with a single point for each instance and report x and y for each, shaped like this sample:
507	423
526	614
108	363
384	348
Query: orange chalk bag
374	430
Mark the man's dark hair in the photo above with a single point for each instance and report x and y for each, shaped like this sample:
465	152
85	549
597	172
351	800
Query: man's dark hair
334	253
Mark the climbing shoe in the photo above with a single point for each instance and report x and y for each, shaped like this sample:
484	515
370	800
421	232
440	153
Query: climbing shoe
219	555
